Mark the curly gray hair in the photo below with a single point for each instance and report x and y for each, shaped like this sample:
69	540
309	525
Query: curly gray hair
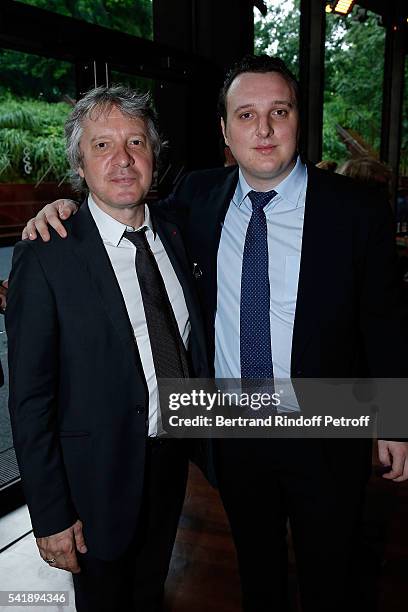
97	102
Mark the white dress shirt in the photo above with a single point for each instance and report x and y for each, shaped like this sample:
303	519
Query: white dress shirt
122	255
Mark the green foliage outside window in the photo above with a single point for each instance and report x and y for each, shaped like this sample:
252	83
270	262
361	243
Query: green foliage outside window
354	73
353	70
278	33
32	137
34	103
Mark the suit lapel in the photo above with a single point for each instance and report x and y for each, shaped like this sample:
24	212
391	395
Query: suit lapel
172	241
171	238
207	225
90	250
314	265
219	201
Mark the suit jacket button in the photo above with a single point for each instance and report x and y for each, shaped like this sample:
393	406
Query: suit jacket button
139	409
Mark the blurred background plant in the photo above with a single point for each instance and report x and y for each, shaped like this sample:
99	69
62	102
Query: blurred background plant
32	137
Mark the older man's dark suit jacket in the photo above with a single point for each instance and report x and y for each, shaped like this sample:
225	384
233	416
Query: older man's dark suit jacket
349	319
78	395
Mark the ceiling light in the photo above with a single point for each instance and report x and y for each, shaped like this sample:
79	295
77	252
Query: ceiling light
343	7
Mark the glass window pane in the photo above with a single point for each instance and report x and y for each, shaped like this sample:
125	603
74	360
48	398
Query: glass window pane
36	95
134	17
353	85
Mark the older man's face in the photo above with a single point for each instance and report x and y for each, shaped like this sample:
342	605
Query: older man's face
262	127
117	159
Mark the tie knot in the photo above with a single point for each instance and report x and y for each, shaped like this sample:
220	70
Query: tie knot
138	238
260	199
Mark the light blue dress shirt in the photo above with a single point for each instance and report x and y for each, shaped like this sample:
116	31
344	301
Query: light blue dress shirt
284	215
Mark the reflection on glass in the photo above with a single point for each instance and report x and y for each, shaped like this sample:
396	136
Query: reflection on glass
131	16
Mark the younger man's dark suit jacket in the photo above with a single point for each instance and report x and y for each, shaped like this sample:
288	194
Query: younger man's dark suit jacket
348	293
78	395
349	319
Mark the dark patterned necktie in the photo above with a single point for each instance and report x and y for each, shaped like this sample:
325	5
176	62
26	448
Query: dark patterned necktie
168	350
255	326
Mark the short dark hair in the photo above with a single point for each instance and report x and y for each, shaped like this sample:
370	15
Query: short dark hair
260	64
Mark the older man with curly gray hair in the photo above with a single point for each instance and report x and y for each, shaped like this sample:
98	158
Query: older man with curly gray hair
93	321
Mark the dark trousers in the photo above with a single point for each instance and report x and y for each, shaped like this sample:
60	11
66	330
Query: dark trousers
135	581
317	484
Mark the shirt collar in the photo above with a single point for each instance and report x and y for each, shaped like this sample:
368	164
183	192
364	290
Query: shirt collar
110	229
291	190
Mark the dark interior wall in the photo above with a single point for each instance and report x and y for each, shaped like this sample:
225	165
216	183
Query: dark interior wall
221	31
224	31
218	32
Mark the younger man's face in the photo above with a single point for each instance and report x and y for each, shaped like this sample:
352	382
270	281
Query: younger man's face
262	127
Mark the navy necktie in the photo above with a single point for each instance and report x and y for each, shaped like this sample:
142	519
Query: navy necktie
255	327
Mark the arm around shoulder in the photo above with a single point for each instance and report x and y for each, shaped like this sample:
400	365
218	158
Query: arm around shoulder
51	214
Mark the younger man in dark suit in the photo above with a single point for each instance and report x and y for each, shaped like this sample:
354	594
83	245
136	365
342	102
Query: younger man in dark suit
316	297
